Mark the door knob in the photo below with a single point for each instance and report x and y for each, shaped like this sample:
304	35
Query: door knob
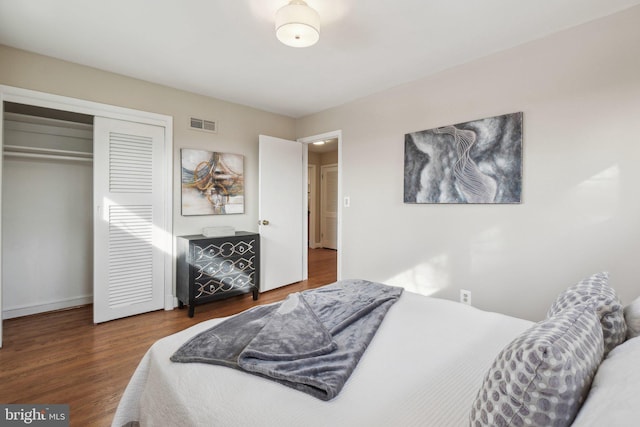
263	222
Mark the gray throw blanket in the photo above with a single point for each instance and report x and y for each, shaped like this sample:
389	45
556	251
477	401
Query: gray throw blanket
311	341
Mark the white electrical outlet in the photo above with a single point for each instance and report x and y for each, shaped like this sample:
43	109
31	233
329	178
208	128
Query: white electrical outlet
465	296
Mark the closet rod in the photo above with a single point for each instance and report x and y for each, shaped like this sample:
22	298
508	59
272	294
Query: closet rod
47	156
46	153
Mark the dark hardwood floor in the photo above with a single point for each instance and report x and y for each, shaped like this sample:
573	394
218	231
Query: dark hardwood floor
63	358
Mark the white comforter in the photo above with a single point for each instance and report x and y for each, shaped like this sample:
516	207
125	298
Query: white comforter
423	368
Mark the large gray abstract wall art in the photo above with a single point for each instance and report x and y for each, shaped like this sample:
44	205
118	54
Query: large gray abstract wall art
473	162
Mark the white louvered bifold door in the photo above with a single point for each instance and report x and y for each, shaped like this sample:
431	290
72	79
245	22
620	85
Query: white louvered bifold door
128	218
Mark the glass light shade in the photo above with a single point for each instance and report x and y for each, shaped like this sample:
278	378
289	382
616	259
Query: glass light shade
297	24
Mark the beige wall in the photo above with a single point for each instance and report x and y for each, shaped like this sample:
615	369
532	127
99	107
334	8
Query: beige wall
579	92
580	211
239	126
329	158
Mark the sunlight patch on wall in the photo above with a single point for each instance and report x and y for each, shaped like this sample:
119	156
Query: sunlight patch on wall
487	250
425	278
601	194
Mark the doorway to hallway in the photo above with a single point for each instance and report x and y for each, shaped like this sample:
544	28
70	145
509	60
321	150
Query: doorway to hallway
322	206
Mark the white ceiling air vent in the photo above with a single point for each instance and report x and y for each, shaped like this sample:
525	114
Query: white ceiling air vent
203	125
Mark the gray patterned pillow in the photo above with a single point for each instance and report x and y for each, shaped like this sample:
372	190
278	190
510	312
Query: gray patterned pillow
544	375
596	290
632	318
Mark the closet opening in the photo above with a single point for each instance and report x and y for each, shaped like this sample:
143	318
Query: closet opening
47	214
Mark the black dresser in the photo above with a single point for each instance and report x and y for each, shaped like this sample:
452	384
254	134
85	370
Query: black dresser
213	268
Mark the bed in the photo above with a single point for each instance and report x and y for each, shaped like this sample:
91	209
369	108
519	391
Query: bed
426	365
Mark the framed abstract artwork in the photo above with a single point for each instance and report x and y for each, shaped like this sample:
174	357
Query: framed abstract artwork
212	183
473	162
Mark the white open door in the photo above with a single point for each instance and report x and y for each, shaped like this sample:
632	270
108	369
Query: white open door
128	219
281	212
329	206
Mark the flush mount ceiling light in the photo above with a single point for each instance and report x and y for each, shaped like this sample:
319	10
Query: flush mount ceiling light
297	24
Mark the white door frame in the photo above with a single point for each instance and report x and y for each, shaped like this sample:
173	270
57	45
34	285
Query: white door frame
307	140
47	100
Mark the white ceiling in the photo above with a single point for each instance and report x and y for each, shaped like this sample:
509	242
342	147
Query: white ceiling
227	48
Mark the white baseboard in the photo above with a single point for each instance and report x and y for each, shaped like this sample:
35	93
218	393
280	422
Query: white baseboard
170	302
315	245
173	302
10	313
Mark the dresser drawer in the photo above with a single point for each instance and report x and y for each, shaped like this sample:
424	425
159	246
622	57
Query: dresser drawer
210	286
219	267
223	250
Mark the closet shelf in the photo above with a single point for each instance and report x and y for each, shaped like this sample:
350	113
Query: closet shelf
46	153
